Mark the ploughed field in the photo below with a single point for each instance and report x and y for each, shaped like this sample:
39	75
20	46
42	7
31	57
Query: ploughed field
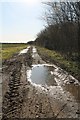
33	88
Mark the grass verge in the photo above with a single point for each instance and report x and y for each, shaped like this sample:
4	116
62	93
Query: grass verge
56	58
8	50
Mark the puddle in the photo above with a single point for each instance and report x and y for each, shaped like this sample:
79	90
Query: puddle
47	76
42	74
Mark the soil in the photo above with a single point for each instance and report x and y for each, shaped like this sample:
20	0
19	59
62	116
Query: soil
21	99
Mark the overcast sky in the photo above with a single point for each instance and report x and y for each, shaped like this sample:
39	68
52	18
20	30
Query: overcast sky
20	20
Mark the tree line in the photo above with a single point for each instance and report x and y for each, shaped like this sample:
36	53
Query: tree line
62	32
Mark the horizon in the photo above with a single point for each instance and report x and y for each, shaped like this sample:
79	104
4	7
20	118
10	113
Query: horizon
15	42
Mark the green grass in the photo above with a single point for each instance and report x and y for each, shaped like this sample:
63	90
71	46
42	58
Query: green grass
58	59
8	50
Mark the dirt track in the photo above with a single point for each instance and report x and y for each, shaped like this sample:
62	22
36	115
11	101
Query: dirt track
21	99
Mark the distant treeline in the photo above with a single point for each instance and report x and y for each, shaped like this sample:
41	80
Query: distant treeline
62	32
6	45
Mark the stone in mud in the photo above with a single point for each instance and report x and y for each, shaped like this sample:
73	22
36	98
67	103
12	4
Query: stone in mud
72	81
78	112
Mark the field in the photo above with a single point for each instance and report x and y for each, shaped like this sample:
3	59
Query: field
9	49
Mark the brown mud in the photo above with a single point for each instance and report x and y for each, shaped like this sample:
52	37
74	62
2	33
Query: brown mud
21	99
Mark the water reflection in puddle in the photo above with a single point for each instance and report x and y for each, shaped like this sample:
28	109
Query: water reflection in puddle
42	75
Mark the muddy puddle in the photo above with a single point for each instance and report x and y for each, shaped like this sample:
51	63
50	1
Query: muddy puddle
50	75
42	74
46	75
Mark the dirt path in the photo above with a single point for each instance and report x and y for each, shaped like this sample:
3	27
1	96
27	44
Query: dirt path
23	99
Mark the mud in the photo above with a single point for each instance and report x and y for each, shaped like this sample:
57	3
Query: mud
23	99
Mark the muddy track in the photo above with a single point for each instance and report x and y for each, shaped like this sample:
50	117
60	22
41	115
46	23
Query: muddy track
21	99
13	94
12	98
